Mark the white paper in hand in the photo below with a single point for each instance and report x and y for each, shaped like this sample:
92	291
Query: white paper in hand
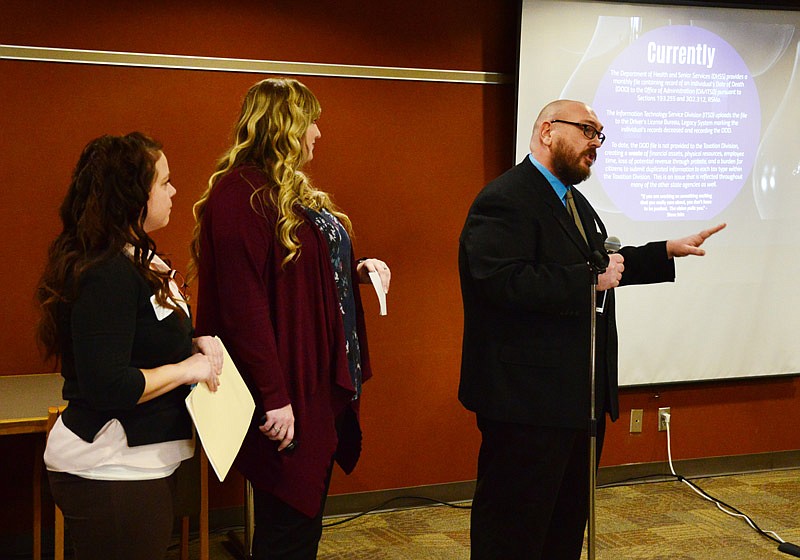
378	285
222	418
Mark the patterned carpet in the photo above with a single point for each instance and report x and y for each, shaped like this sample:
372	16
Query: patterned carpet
669	521
653	521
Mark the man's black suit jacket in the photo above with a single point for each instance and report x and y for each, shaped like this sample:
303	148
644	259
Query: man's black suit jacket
525	285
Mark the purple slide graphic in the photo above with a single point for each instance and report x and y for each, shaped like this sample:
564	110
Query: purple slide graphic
682	119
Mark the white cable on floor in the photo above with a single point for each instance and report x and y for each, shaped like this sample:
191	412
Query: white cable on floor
705	496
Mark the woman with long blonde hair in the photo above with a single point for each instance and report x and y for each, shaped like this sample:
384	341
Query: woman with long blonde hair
277	277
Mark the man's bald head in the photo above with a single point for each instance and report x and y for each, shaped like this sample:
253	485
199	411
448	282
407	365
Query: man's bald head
560	145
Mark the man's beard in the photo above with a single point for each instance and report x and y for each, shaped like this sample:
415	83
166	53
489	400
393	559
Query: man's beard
567	164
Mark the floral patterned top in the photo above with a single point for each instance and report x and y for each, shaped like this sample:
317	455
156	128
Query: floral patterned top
340	249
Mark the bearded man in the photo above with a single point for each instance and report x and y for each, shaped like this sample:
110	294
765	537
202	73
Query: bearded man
524	257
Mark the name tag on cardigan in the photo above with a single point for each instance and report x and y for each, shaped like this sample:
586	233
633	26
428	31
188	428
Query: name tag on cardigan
163	312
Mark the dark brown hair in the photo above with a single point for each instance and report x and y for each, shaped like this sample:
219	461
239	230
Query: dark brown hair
103	212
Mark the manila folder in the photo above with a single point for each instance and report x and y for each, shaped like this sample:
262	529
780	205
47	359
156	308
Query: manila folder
222	418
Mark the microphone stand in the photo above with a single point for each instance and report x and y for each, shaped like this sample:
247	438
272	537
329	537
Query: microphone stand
597	265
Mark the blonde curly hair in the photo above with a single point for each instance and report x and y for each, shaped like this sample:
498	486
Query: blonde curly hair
270	133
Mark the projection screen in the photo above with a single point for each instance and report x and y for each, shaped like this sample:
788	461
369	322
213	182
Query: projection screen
701	108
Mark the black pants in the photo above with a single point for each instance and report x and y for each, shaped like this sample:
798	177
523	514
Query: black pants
532	494
283	533
116	520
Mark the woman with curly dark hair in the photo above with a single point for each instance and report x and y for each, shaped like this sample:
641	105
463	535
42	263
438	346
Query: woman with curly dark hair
113	315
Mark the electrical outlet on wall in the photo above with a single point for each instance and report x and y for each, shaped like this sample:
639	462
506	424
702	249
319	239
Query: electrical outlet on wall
636	420
662	420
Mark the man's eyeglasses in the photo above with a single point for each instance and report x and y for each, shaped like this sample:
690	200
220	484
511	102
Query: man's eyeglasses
588	130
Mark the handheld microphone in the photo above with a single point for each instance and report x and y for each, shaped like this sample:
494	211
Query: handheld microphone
612	244
598	261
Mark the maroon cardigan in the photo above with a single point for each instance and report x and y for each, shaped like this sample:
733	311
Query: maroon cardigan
284	331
